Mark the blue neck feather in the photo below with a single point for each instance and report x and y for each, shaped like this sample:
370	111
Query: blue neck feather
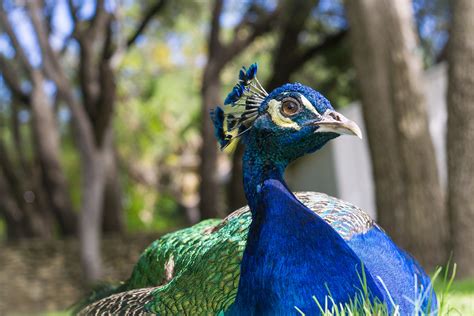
291	253
255	172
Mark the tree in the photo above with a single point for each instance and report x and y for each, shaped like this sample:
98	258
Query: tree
370	64
46	143
88	90
23	221
409	197
255	22
460	142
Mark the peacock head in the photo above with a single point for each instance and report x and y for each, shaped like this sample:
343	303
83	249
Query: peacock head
284	124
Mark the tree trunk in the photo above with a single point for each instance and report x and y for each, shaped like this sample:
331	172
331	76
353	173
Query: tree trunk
22	218
47	141
423	194
14	218
93	185
365	34
390	72
113	219
20	204
209	187
460	143
112	205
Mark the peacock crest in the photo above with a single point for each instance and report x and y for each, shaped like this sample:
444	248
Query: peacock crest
240	107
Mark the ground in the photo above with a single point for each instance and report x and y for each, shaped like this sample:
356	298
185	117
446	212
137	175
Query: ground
37	276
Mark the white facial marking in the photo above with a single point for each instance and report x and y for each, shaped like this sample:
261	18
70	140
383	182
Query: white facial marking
278	118
308	105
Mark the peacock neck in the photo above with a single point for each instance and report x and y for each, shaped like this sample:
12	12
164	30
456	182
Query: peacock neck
256	170
291	254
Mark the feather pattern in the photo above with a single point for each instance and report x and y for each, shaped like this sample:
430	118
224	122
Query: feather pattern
276	254
240	107
196	251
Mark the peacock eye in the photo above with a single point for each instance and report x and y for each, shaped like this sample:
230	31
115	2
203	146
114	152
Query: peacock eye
290	107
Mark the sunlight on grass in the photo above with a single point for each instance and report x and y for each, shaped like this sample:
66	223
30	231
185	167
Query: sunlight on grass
459	296
454	298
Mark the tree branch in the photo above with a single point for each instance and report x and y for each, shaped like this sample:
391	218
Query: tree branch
214	35
261	27
329	42
5	23
54	71
98	21
151	12
49	58
288	64
73	10
11	80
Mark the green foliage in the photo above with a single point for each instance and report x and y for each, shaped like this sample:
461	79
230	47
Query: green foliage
3	229
157	122
71	163
158	83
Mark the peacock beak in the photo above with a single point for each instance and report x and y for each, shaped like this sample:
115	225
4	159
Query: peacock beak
335	122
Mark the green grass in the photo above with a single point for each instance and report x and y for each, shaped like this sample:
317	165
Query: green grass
458	300
454	298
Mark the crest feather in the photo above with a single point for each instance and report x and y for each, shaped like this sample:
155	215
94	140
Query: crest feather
240	107
217	116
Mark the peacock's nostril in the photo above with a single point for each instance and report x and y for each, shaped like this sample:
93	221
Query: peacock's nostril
335	116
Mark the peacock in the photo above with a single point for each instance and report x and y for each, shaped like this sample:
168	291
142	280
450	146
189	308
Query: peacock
284	250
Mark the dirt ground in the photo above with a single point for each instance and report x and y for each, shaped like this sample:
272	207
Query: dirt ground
39	276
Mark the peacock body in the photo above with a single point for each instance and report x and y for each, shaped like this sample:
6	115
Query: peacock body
211	251
274	255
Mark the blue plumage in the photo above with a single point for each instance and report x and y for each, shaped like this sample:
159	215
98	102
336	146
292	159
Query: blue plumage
319	101
393	269
252	71
246	76
292	254
295	248
234	95
217	116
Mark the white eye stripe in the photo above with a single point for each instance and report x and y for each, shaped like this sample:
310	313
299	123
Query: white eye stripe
278	118
308	105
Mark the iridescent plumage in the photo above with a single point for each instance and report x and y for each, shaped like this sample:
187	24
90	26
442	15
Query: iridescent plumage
211	252
282	250
240	107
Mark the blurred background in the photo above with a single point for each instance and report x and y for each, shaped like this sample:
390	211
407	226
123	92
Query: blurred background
106	142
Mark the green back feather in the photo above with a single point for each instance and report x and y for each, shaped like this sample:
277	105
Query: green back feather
195	271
